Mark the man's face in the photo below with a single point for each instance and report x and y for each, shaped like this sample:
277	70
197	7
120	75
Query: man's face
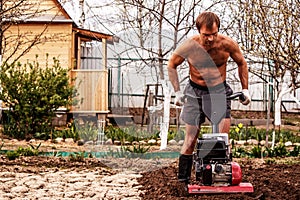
208	36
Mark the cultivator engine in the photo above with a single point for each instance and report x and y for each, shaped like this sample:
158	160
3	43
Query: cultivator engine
214	170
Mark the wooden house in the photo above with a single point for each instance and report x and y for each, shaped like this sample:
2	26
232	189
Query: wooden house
45	27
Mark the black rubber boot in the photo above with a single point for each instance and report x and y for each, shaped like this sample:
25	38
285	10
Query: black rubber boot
185	168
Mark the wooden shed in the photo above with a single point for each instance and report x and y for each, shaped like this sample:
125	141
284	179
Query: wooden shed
46	28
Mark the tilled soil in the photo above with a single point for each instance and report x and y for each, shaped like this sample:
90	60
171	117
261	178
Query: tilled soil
270	181
279	180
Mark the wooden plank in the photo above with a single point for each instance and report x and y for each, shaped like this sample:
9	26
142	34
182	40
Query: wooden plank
92	87
55	37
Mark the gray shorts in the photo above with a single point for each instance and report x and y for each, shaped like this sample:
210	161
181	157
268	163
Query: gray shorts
192	112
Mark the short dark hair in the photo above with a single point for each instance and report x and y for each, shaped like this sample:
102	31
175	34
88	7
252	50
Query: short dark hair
207	19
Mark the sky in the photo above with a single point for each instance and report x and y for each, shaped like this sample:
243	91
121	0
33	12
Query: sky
94	17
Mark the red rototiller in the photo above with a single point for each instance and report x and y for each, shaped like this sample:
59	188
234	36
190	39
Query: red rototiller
215	171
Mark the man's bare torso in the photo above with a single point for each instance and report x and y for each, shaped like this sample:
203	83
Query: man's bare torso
212	75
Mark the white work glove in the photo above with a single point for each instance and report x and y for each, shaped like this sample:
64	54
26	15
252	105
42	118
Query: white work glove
179	98
247	97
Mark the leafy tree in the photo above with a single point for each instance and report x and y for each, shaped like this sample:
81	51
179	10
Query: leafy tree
33	93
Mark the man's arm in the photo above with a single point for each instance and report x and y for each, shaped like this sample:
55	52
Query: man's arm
238	57
174	61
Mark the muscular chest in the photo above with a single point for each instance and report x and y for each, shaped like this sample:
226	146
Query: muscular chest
218	55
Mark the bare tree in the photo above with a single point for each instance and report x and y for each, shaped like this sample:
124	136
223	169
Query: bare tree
152	30
269	32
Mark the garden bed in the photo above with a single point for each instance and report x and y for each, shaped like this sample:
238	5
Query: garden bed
272	178
275	179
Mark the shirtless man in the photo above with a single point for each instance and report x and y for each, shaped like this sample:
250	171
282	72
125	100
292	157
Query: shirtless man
207	54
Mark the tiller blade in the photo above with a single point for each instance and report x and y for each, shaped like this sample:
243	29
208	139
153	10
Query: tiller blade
203	189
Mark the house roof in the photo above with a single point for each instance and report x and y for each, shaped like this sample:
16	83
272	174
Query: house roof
65	13
41	19
84	33
64	17
92	35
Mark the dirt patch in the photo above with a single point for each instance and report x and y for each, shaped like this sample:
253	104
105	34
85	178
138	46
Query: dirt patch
37	164
270	181
280	180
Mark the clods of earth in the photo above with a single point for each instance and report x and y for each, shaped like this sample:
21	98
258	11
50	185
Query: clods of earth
278	180
135	178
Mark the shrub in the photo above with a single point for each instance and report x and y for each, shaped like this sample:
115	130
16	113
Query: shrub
119	153
12	155
71	131
27	151
240	132
77	157
171	135
295	152
180	135
87	132
257	152
278	151
123	134
2	144
239	152
138	149
21	151
33	93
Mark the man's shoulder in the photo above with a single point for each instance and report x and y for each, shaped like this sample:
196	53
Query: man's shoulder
190	44
227	42
227	39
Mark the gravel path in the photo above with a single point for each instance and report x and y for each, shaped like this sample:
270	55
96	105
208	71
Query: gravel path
22	179
68	184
